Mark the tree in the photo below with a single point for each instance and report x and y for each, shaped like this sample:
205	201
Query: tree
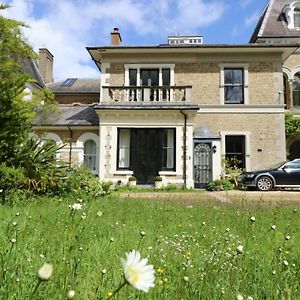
16	114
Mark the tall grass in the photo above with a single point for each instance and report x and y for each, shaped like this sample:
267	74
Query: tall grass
193	249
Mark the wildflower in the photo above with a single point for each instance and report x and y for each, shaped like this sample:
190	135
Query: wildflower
137	272
71	294
273	227
109	294
287	237
185	278
285	263
160	270
45	272
160	282
42	256
240	249
14	223
112	240
17	214
239	297
13	240
99	213
104	271
76	206
250	298
143	233
203	223
274	272
252	219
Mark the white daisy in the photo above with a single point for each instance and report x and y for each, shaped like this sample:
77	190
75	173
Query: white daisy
76	206
45	272
137	272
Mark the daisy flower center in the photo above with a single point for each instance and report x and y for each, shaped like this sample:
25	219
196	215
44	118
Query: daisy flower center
133	274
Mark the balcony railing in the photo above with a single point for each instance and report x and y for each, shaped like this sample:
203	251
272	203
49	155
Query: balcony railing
147	94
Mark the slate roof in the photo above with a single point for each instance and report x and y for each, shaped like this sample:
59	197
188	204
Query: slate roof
272	22
70	115
29	66
78	86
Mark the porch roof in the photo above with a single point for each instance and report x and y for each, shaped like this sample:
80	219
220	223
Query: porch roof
147	106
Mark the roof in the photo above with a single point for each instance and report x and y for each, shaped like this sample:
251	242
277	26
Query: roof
29	66
75	85
78	115
272	22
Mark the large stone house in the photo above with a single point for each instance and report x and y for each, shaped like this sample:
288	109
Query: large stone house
280	23
176	110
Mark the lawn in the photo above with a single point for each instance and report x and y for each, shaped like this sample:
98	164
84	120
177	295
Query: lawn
195	249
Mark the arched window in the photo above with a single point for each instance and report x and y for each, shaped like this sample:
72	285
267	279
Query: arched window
296	90
90	156
292	14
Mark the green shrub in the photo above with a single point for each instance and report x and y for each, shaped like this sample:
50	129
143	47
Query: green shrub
11	178
158	178
220	185
132	178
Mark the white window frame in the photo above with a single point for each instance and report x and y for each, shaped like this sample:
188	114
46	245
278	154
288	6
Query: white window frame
289	12
247	135
245	68
80	148
160	67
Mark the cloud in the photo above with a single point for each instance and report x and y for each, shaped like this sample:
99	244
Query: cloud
245	3
67	27
252	19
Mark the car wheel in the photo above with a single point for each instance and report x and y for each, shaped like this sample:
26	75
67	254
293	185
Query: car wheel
264	183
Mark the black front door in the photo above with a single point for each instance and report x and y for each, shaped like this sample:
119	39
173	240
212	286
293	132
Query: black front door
202	164
145	155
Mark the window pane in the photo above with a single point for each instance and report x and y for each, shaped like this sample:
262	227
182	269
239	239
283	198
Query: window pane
168	149
124	148
235	150
233	94
166	76
297	19
238	76
132	76
296	90
228	76
149	77
89	155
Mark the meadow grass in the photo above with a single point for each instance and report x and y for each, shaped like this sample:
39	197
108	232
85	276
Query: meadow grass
194	249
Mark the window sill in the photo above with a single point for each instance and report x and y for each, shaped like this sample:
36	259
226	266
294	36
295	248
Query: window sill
168	173
123	172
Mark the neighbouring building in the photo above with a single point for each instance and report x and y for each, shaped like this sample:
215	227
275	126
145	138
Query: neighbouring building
177	110
278	24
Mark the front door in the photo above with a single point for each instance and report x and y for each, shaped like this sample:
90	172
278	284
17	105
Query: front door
202	164
145	153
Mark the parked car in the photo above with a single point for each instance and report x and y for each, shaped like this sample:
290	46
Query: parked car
283	175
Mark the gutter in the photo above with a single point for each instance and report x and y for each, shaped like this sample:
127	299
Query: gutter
184	148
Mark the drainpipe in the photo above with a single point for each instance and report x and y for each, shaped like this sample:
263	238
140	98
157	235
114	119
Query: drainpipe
70	144
184	149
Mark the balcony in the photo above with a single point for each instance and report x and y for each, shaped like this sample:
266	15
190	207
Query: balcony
144	94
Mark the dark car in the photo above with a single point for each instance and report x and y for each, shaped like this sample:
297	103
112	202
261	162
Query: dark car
284	175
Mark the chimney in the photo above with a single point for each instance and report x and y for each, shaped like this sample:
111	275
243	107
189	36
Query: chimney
46	64
116	39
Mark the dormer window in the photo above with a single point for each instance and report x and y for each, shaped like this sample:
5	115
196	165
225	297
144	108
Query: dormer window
292	14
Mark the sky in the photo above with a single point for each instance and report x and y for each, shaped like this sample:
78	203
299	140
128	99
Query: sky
66	27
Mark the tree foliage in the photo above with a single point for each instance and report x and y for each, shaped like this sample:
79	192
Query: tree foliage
16	113
292	125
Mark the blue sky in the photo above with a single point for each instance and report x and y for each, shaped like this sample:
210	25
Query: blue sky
66	27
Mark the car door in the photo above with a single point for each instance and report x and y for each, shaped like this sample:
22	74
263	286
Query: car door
288	174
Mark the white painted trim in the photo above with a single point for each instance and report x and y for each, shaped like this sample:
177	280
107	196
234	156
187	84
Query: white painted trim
288	72
52	136
245	67
247	135
289	12
295	71
80	147
105	76
241	109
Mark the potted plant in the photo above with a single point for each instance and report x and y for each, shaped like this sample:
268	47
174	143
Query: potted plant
131	181
158	182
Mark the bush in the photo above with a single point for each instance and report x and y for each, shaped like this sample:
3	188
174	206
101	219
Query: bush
220	185
158	178
132	178
11	178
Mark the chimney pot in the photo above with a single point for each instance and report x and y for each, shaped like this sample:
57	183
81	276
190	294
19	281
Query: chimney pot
116	39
